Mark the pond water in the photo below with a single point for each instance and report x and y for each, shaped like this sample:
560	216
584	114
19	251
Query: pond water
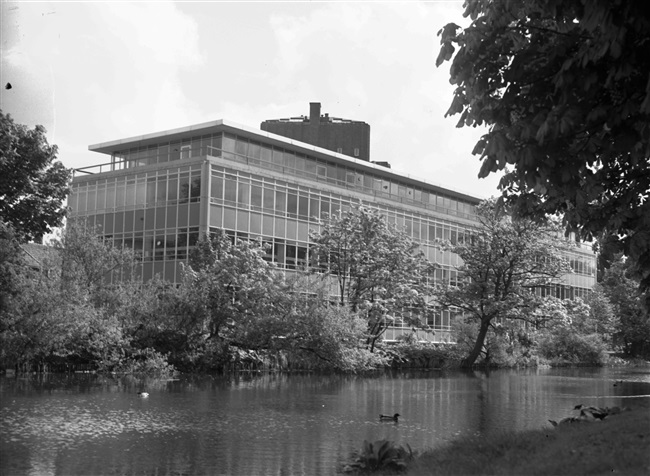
276	424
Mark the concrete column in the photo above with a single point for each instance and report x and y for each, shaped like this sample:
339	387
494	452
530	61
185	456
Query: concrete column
204	210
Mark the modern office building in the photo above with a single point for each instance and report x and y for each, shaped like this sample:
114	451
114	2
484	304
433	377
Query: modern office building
344	136
158	192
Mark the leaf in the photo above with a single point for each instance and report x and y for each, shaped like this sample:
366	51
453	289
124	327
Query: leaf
489	165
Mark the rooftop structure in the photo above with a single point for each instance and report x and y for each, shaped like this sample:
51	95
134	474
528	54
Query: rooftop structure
344	136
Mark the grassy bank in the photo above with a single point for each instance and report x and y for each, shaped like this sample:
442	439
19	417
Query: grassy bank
618	445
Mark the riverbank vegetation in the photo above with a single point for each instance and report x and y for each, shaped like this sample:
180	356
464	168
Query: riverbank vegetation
234	310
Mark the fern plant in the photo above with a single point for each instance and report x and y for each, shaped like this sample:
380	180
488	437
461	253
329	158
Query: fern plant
379	455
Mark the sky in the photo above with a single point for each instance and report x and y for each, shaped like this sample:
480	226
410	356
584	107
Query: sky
93	72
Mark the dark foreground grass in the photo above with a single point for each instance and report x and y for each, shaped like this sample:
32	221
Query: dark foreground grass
618	445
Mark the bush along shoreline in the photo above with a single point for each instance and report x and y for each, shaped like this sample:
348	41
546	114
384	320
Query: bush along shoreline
398	356
85	309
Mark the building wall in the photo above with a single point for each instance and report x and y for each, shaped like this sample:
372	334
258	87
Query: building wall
159	198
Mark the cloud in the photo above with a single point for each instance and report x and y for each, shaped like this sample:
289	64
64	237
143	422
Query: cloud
376	63
95	72
158	32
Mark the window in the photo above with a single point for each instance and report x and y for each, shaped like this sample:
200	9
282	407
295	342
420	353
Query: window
292	205
243	194
268	199
230	189
228	144
241	147
280	202
256	196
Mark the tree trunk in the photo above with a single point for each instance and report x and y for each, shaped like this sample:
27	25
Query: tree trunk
468	361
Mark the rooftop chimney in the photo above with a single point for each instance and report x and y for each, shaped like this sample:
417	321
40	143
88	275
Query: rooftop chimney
314	112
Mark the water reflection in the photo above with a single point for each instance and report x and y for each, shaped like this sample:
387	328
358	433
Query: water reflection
275	423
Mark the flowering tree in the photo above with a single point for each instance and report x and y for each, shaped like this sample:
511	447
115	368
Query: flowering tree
231	295
226	284
503	264
379	270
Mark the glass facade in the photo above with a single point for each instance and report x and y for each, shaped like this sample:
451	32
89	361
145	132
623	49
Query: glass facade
156	213
158	198
280	159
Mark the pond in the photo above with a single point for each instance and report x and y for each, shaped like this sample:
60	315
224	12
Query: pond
276	424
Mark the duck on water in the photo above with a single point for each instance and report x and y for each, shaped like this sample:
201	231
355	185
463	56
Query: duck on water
394	417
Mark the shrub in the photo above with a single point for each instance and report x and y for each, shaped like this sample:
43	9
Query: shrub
380	455
413	354
565	346
145	361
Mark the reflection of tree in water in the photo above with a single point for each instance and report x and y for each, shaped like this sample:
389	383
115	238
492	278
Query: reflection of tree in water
190	190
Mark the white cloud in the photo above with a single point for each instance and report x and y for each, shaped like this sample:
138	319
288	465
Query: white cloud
101	71
377	63
159	32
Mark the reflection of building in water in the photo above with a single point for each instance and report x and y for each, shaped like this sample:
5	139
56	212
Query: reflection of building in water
160	191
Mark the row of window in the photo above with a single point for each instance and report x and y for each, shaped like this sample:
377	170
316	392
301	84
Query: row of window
561	291
582	265
240	149
177	193
136	191
250	192
172	216
158	246
250	224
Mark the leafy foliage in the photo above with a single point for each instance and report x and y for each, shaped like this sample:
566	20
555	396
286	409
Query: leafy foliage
502	265
407	353
33	185
232	299
379	270
63	313
632	328
11	265
564	345
380	455
565	91
226	284
88	261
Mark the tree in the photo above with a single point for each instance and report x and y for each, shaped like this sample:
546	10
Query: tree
227	284
37	322
232	299
11	264
633	323
306	326
380	270
564	87
601	314
503	264
88	261
33	184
